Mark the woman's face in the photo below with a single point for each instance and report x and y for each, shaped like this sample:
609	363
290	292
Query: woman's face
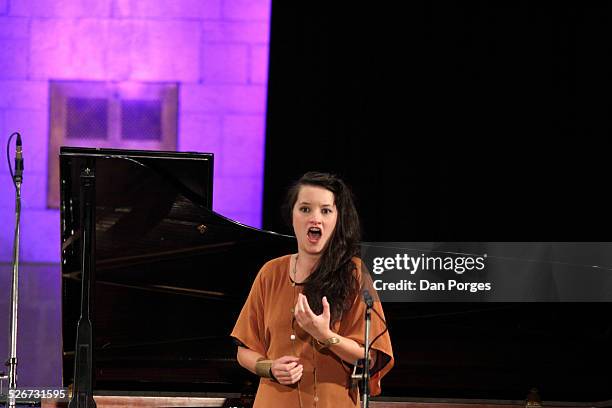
314	218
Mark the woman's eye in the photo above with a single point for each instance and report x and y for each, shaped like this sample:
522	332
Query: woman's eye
327	211
304	209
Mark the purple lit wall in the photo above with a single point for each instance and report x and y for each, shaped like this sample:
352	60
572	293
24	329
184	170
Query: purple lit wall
217	50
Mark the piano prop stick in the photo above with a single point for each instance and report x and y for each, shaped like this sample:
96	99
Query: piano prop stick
82	396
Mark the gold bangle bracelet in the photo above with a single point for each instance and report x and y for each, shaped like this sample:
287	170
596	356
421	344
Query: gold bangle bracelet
263	368
328	342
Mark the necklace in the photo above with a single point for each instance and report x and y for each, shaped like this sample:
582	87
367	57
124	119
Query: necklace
294	271
294	340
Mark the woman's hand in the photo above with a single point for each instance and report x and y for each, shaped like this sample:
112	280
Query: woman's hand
315	325
287	370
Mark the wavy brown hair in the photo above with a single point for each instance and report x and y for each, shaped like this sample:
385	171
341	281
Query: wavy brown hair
333	275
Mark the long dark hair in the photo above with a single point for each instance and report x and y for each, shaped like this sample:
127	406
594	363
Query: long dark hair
333	275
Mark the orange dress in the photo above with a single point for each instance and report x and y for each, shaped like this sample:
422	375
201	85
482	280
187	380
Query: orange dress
265	326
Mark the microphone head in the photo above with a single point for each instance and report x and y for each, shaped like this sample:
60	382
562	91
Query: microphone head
18	139
367	298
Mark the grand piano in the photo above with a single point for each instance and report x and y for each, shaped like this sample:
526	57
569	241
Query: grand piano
168	277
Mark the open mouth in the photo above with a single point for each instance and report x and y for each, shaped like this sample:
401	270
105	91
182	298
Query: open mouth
314	234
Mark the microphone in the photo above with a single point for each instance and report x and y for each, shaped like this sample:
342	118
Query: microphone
367	298
18	160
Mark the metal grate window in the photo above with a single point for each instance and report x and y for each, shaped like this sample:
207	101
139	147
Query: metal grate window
86	118
141	120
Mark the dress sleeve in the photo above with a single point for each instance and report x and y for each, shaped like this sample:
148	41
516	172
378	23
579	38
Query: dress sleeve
249	330
352	326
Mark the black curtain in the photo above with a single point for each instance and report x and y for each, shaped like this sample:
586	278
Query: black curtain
451	120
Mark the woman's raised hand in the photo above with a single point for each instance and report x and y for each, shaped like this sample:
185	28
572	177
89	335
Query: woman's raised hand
315	325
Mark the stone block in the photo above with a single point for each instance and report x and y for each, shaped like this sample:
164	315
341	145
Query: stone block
34	190
243	146
233	195
121	39
157	50
116	49
42	285
41	230
7	218
259	60
17	94
14	60
61	8
42	362
224	64
223	99
3	135
246	10
200	133
252	32
168	9
14	28
40	317
68	49
34	128
7	190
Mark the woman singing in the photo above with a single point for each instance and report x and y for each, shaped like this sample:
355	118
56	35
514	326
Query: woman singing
302	326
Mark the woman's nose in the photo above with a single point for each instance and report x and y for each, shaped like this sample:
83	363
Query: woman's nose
315	217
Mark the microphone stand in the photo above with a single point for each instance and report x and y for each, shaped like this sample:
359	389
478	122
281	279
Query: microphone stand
12	361
366	360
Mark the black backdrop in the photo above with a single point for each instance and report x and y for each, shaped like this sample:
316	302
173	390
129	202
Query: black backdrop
458	121
451	121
